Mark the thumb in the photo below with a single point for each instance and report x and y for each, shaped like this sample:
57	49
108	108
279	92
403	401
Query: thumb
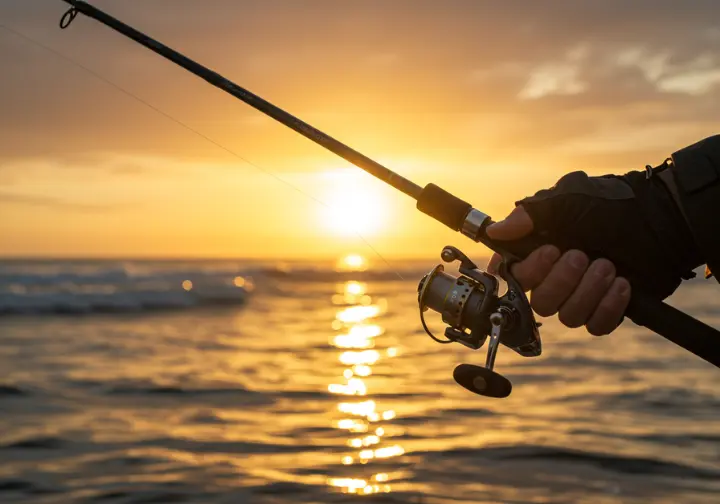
514	226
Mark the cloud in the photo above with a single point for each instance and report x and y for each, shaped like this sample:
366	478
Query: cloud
548	74
553	80
557	78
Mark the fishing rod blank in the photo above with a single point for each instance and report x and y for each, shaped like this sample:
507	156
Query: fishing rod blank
643	309
217	80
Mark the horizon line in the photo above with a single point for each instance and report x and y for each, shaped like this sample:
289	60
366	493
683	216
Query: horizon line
70	258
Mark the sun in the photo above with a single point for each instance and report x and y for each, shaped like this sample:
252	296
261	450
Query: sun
352	262
353	204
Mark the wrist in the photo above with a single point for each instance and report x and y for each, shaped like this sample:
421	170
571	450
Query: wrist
695	173
668	180
667	177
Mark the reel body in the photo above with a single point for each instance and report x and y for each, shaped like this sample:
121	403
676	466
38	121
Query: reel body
470	305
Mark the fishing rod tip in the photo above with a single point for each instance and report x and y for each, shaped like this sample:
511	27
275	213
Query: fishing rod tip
69	16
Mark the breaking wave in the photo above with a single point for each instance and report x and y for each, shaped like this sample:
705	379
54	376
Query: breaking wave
85	288
77	288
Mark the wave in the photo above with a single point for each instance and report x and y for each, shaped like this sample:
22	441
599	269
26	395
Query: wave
12	391
139	388
68	303
36	443
26	487
681	439
663	401
607	461
174	443
175	390
181	444
148	497
15	485
70	288
100	274
617	463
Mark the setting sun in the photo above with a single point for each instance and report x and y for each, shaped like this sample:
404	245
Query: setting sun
354	204
353	261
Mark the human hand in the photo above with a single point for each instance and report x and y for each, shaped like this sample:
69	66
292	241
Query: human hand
632	220
582	292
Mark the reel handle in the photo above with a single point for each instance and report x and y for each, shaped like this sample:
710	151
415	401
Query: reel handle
482	381
643	309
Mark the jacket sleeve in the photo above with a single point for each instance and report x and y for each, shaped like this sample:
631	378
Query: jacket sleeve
696	170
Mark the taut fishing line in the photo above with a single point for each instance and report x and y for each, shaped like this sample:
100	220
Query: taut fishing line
191	129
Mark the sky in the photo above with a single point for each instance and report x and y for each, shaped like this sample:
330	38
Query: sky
490	100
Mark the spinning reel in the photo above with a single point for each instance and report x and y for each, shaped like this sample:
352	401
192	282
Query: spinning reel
470	305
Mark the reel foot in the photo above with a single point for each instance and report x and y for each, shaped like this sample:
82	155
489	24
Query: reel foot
482	381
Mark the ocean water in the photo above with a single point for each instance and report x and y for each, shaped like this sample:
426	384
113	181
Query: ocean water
227	382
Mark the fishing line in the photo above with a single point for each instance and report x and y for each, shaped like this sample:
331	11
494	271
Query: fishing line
192	130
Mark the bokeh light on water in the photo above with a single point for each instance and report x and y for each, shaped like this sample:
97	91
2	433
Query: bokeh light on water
359	326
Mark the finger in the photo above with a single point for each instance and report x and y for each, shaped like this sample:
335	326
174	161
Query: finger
610	311
560	283
531	271
514	226
493	266
581	304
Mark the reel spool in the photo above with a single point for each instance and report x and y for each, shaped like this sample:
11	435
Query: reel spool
470	305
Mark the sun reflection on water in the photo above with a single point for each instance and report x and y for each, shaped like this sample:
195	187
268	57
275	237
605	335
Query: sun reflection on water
363	421
357	314
359	336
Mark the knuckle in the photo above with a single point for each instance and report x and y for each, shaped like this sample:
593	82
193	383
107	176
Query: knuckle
565	282
533	270
549	254
568	274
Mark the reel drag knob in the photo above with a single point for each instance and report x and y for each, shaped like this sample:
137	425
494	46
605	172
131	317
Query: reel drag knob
482	381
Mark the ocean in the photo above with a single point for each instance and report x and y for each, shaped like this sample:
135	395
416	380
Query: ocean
234	381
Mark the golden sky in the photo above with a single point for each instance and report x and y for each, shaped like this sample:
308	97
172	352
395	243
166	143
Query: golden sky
490	100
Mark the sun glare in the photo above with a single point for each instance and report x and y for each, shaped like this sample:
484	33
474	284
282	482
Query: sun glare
354	204
353	261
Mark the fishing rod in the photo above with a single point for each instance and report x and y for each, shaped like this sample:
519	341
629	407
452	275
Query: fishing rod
469	303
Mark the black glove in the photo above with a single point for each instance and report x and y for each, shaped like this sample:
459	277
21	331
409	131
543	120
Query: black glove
631	220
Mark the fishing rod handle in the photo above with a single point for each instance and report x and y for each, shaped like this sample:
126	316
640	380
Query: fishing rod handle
643	309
